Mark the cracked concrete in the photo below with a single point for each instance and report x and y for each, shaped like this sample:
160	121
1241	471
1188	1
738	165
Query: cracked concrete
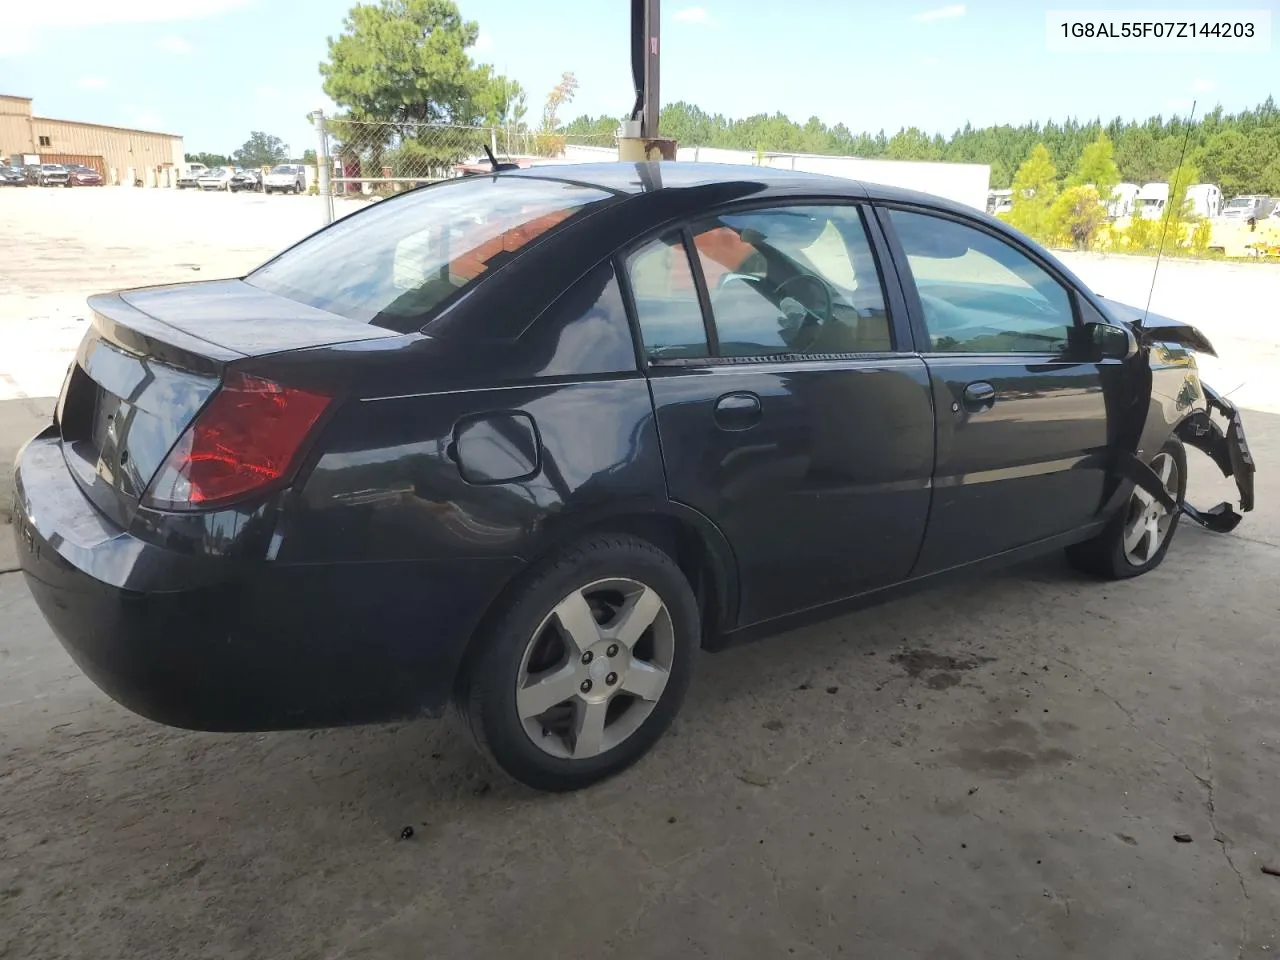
1025	807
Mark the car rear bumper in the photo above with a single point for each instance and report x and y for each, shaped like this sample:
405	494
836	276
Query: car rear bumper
209	643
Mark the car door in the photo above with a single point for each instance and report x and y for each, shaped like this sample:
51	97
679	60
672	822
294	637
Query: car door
790	409
1022	414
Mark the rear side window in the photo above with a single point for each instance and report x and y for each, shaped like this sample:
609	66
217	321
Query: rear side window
396	263
586	331
666	299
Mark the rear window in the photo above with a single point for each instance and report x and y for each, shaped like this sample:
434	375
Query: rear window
396	263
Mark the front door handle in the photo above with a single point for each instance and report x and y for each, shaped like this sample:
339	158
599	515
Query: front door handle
738	411
979	396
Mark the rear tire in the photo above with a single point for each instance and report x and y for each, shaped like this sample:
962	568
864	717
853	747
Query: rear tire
585	667
1137	538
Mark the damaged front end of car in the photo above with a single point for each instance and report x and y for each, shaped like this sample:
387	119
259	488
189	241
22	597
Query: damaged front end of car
1222	442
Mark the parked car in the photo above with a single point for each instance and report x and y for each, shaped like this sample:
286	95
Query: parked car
219	178
187	177
79	175
1249	207
286	178
526	441
245	180
52	175
12	177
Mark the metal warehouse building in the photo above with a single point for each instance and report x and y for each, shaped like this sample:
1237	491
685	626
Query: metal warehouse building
121	155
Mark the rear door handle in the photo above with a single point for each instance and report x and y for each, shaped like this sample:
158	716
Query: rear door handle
738	411
979	396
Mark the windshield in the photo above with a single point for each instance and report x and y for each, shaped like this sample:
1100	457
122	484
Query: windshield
284	168
395	263
1241	202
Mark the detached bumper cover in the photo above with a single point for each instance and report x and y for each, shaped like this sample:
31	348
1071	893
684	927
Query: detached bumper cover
1227	447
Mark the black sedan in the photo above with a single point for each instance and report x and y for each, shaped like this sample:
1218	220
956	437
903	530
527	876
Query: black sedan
526	441
12	177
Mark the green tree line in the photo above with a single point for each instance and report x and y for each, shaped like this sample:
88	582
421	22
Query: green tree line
1072	210
412	98
1238	151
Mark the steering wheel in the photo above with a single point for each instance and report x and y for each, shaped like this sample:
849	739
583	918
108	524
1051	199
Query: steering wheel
814	320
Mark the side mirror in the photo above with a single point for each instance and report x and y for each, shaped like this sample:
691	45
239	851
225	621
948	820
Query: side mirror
1111	342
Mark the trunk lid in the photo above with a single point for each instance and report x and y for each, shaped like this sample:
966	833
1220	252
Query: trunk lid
150	362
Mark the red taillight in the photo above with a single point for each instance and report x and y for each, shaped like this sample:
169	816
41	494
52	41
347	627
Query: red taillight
245	439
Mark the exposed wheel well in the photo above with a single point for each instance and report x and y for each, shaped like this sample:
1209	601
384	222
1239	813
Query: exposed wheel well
677	538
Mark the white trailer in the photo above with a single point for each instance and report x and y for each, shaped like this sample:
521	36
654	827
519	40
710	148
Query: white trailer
1122	200
1205	200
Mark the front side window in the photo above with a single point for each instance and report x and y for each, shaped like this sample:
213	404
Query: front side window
395	263
980	294
796	279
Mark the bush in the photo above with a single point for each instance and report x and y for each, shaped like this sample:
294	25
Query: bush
1077	215
1142	235
1201	236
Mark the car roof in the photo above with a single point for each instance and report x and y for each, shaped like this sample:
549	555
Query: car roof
649	177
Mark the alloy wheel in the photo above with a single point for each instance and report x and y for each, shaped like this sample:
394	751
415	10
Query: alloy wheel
595	668
1147	522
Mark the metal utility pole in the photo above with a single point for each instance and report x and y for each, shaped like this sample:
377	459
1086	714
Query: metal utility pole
322	167
640	139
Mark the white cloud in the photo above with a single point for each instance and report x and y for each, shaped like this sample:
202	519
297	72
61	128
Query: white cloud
174	44
694	15
1203	86
931	61
91	83
941	13
484	42
80	13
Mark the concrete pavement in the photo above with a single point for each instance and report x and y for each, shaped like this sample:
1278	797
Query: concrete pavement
994	770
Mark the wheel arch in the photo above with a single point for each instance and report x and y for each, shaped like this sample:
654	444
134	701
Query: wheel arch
690	538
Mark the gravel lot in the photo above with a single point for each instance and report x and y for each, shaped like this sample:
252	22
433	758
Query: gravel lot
993	770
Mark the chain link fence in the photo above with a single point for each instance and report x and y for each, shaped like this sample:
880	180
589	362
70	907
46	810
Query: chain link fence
373	158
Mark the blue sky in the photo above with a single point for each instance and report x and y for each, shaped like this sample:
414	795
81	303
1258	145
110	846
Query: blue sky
212	70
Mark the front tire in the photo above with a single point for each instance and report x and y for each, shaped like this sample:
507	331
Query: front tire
1138	536
586	666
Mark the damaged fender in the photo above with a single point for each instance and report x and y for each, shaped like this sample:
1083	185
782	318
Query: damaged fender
1227	448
